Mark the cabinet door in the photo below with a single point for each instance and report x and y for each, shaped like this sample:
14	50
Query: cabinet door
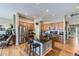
52	26
61	25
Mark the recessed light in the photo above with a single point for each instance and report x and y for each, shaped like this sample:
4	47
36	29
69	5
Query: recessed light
47	10
53	14
40	19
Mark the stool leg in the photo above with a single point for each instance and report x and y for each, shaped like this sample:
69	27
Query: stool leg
30	50
27	50
39	51
33	51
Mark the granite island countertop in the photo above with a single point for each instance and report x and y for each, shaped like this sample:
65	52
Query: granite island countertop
44	40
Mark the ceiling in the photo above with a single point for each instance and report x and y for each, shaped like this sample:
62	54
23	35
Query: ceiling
44	11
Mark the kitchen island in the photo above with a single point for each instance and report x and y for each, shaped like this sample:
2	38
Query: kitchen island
45	46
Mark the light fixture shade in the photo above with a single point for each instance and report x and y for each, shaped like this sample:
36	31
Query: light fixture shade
37	23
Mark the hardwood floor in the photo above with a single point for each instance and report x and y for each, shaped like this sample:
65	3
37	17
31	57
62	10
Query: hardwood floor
59	50
63	50
14	51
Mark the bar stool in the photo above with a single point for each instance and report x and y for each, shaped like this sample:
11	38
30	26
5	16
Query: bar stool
30	42
34	47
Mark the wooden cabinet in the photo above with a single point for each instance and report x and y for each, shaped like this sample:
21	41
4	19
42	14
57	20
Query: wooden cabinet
54	40
29	26
61	25
58	25
43	27
52	26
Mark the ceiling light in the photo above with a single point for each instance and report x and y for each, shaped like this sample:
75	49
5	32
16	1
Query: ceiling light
40	19
47	10
53	15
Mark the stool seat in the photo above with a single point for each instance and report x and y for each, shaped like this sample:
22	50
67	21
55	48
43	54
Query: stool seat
30	41
35	45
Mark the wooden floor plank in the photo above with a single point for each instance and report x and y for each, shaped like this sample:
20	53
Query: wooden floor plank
59	50
13	51
64	50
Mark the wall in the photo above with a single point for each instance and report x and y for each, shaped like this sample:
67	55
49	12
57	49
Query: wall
5	22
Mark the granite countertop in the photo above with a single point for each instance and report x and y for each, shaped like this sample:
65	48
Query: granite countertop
44	40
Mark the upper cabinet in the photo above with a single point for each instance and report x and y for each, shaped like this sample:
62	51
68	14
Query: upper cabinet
57	25
23	22
61	25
